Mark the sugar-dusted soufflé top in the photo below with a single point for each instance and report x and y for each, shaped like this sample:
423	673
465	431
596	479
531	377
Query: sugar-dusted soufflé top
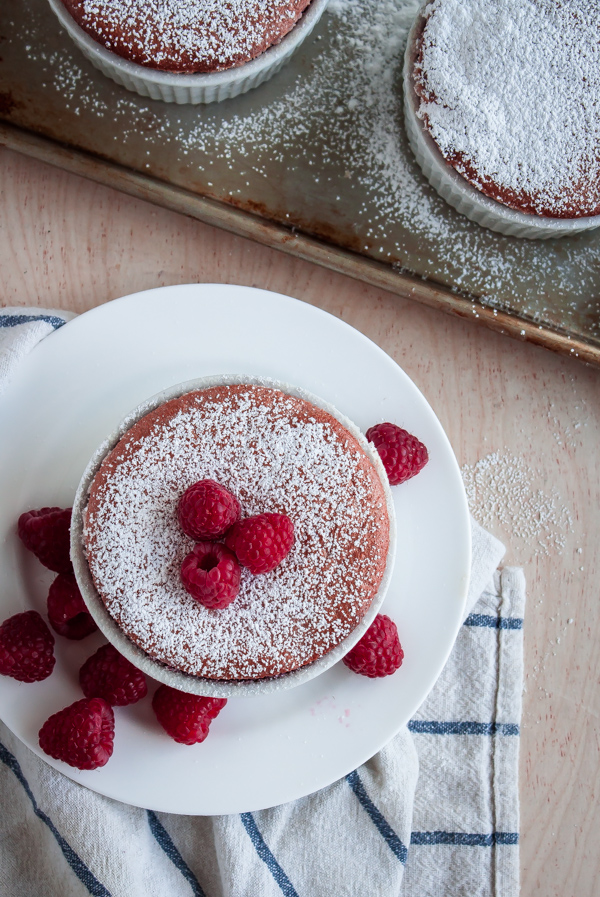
277	453
187	35
510	93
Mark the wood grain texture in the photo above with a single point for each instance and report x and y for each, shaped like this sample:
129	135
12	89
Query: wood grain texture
297	244
66	242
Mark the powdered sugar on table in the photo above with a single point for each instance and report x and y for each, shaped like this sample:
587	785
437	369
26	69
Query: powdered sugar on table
275	453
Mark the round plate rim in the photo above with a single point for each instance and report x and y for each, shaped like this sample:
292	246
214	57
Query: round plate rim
280	307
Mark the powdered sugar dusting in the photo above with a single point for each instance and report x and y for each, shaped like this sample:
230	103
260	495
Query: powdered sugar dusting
502	490
322	145
276	453
510	94
195	35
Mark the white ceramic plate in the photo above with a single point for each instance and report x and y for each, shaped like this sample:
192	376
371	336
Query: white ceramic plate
76	386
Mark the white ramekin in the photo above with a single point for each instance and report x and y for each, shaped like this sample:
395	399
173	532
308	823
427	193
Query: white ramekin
182	88
185	681
458	192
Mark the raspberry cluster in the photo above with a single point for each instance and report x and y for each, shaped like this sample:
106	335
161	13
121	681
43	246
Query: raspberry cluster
379	652
82	734
211	572
46	532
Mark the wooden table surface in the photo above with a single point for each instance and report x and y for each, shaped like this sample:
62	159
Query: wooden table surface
68	243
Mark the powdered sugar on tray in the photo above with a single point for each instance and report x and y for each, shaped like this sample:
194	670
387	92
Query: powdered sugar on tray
510	94
322	148
501	491
276	453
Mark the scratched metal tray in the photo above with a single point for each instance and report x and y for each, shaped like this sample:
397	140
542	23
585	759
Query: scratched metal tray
315	162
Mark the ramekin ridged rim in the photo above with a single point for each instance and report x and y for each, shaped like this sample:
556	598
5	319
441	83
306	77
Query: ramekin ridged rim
182	88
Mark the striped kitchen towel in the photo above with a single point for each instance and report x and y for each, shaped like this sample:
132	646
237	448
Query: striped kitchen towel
465	828
20	330
435	814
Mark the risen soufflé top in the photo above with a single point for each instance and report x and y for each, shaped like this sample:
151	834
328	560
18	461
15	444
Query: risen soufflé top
276	453
510	93
187	35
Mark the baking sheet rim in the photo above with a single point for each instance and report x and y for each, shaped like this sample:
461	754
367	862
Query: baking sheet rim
298	244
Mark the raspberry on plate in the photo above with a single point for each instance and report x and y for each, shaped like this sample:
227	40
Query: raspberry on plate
211	574
81	735
109	675
46	532
207	510
26	648
67	612
402	454
261	543
379	652
185	717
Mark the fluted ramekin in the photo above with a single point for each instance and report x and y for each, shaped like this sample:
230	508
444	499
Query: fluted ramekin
185	681
457	191
211	87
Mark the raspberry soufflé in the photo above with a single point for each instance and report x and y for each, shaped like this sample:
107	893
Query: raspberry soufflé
509	93
295	469
187	36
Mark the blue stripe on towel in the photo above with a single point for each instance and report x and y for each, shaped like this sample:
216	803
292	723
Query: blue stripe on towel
76	863
494	622
381	824
431	727
467	839
266	856
15	320
164	839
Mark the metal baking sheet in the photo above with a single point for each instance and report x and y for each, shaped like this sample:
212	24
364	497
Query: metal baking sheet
314	162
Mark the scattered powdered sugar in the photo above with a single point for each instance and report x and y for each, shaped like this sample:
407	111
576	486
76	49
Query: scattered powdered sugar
501	491
275	453
322	148
511	92
195	35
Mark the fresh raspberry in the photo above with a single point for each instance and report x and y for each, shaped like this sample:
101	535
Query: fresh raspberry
82	734
47	533
402	454
26	648
261	543
211	574
109	675
67	613
207	510
379	652
185	717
